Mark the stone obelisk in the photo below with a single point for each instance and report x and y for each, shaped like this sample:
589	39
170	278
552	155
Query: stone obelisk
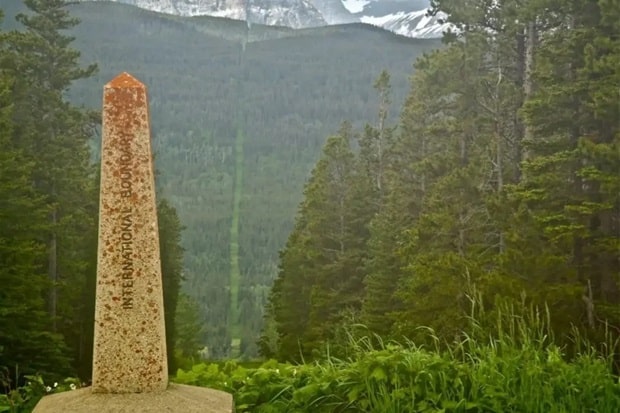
130	339
130	369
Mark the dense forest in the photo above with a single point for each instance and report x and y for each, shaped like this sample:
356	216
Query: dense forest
482	184
500	183
49	206
238	119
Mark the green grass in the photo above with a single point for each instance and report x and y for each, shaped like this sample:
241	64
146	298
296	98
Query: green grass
513	366
402	379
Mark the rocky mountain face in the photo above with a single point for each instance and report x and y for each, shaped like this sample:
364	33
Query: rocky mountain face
404	17
290	13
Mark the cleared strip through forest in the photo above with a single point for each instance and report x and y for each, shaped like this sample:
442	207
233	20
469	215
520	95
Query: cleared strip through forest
235	273
234	325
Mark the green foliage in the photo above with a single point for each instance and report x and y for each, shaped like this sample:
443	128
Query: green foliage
515	370
502	177
234	314
323	254
285	90
27	344
51	136
23	399
172	271
571	175
48	204
190	332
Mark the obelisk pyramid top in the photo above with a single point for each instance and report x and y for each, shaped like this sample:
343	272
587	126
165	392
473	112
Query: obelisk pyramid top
125	81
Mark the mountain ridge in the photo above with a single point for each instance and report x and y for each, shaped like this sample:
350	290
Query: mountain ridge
210	87
407	18
281	95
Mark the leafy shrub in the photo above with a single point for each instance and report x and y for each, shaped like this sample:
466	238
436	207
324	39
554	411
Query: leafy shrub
23	399
405	379
516	368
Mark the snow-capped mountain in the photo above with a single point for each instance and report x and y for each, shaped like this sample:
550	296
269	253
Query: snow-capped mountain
404	17
291	13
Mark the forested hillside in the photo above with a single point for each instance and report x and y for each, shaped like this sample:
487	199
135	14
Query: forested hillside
456	246
500	183
239	118
49	206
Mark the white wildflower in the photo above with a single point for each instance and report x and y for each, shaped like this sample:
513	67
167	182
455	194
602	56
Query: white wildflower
55	385
48	389
72	386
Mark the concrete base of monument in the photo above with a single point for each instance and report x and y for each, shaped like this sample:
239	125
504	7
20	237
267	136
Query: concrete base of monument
177	398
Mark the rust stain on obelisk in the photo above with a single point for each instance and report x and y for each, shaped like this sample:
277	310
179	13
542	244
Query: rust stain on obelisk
130	344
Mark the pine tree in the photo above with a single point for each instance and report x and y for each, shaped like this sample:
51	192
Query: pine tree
383	170
27	345
503	178
404	189
554	215
460	147
570	194
436	248
172	271
338	234
290	295
375	144
189	332
320	279
53	135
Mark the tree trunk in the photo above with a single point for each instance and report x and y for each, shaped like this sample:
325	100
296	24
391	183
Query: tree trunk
52	271
531	42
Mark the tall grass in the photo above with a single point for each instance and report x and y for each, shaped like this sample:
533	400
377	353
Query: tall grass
506	362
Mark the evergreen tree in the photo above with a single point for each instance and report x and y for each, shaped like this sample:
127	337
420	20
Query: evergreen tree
268	342
414	159
550	231
337	234
53	135
27	345
375	144
570	195
189	330
172	271
459	148
289	299
320	279
452	215
381	168
503	179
